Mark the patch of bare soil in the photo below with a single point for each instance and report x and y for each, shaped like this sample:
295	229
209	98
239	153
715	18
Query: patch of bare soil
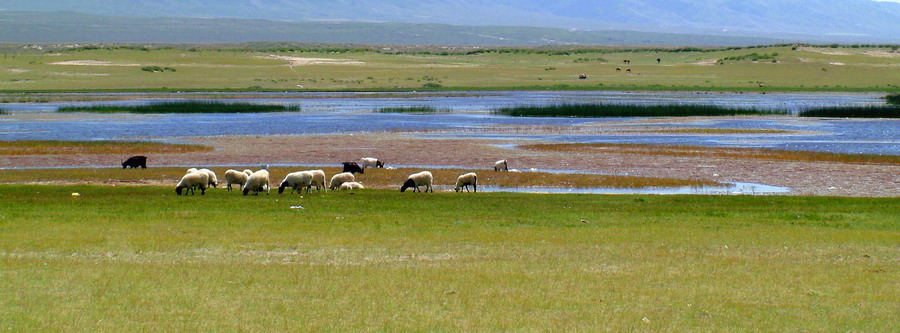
805	178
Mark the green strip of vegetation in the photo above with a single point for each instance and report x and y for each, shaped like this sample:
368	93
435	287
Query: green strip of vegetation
854	112
184	107
612	110
893	99
413	109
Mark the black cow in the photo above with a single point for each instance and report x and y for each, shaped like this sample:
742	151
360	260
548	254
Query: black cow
135	161
353	167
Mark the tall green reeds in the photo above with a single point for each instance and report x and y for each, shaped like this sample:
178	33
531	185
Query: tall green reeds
893	99
183	107
614	110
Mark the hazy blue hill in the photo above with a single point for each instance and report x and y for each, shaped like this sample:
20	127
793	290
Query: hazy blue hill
808	17
67	27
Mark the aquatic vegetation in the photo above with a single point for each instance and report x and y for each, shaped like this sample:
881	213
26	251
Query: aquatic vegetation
54	147
413	109
184	107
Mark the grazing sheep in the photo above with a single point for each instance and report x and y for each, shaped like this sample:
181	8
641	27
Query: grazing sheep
618	69
235	177
134	162
257	182
191	180
370	162
463	181
628	70
415	180
341	178
296	181
213	179
501	165
248	172
352	167
351	186
318	180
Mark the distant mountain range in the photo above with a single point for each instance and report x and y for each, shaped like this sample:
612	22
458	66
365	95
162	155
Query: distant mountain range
838	20
67	27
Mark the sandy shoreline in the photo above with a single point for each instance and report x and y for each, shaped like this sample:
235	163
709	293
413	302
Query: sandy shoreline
804	178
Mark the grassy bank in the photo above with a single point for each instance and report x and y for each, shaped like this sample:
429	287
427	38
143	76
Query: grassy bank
381	178
890	111
140	258
183	107
616	110
52	147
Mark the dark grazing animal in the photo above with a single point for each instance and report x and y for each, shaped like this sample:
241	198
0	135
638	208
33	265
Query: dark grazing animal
353	167
135	161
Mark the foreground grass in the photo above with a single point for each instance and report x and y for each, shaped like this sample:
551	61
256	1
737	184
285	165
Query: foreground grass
620	110
140	258
53	147
183	107
380	178
751	153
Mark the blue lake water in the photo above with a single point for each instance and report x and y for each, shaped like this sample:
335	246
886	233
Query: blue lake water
330	113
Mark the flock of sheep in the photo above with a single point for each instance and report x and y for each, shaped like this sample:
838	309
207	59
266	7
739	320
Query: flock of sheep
250	181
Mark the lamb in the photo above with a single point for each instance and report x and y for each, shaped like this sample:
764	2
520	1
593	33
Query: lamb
341	178
191	180
465	180
236	177
352	167
351	186
415	180
296	181
370	162
501	165
257	182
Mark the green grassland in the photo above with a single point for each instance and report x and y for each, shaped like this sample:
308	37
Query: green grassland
812	68
141	258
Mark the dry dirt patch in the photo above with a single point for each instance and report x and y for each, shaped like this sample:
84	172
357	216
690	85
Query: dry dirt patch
92	63
302	61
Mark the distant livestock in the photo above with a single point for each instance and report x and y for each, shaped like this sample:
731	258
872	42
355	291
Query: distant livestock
370	162
296	181
352	167
213	179
628	70
501	165
351	186
191	180
463	181
618	69
415	180
582	76
135	161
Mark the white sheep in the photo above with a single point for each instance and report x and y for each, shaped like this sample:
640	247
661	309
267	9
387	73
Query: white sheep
415	180
351	186
296	181
318	180
341	178
463	181
257	182
191	180
213	179
370	162
236	177
248	172
501	165
192	170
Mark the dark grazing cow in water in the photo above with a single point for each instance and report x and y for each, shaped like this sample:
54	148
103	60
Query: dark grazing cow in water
135	161
353	167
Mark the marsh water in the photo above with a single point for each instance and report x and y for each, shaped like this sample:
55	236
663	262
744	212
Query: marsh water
331	113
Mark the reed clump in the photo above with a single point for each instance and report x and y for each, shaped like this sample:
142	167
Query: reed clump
184	107
890	111
596	110
413	109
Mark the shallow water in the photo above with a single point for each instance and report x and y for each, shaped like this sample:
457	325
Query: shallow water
323	113
731	188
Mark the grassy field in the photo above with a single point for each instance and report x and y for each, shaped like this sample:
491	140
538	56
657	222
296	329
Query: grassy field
774	68
142	259
52	147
